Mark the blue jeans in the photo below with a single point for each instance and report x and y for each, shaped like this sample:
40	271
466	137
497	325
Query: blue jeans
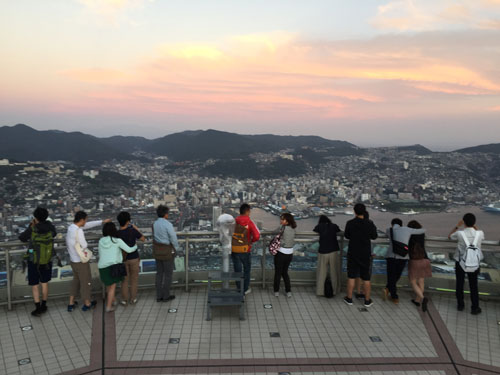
242	260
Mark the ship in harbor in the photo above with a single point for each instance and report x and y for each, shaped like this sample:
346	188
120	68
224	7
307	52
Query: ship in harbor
493	207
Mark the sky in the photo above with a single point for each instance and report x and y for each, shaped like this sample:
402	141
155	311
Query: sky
374	73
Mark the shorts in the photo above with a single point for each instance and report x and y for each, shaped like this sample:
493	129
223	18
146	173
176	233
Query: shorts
357	269
39	273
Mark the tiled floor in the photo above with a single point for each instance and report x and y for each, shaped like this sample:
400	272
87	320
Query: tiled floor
477	337
59	341
309	327
316	336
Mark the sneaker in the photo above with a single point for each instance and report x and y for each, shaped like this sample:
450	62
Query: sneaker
169	298
368	302
123	302
415	303
91	306
134	301
385	294
248	291
159	300
425	301
360	296
43	309
289	294
111	309
72	307
460	307
276	294
395	300
348	301
476	311
37	312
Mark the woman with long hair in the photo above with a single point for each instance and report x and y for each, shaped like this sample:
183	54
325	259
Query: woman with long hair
110	247
419	266
284	256
328	255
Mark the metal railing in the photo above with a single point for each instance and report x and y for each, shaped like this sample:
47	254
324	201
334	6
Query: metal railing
439	245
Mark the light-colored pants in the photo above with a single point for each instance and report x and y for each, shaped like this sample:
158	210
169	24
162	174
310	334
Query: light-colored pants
132	266
82	281
330	261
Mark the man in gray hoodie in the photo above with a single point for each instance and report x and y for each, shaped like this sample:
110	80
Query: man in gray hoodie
395	262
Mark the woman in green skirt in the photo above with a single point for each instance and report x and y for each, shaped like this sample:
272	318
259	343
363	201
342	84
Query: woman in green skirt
110	247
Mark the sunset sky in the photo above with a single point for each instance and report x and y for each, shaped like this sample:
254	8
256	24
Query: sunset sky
369	72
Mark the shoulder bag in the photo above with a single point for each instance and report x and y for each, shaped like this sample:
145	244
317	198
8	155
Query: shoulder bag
84	254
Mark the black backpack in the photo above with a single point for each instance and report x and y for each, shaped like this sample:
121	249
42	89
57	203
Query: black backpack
328	288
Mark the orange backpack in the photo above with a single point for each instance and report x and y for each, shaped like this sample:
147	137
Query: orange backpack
240	242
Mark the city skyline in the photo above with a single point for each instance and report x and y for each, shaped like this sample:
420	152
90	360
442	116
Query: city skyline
378	73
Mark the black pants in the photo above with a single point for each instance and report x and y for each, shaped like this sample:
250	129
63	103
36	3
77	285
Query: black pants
474	291
395	268
281	264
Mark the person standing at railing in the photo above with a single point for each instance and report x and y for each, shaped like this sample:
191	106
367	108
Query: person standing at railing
397	256
82	278
164	249
419	265
468	256
284	256
129	233
245	234
40	235
110	256
328	255
359	231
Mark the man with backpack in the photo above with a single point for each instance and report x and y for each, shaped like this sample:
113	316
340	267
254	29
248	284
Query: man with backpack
245	233
467	257
40	235
397	255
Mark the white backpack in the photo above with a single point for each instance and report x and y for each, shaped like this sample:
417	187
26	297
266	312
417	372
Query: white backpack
472	256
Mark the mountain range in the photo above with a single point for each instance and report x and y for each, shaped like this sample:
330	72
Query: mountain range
23	143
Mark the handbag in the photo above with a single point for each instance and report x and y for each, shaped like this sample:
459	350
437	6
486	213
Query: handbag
275	243
84	254
398	248
163	251
118	270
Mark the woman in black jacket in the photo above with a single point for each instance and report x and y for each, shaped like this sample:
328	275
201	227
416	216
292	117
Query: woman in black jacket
328	255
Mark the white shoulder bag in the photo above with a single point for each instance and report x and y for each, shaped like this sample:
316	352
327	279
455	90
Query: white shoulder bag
84	254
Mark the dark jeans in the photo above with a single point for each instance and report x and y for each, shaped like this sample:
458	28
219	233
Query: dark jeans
395	268
242	260
281	264
164	271
474	291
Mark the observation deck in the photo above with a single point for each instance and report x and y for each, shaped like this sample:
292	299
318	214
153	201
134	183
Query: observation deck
304	334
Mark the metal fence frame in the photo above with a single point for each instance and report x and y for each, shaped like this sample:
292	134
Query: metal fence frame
444	245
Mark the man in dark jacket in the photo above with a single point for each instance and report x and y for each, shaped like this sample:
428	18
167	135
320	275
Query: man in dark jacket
359	231
39	269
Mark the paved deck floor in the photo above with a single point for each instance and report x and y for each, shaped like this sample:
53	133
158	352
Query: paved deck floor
299	335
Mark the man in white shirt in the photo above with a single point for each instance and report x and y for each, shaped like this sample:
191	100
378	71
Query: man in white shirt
474	236
81	271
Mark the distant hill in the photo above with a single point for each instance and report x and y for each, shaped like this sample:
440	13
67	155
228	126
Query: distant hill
22	143
214	144
419	149
492	148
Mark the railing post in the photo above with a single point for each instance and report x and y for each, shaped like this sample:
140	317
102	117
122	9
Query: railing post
9	281
263	265
341	257
186	264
